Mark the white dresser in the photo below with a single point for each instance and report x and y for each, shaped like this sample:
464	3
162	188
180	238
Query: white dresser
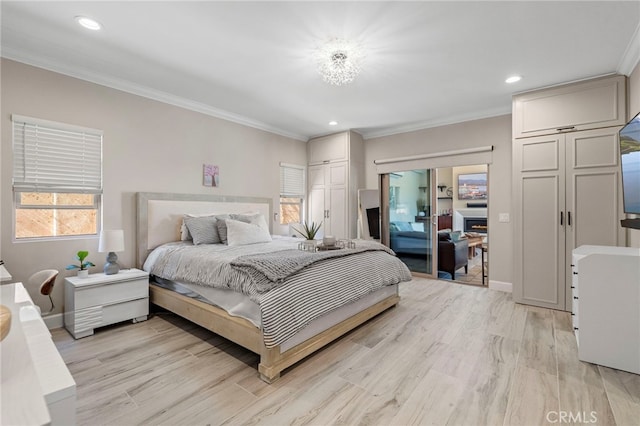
37	388
606	305
100	300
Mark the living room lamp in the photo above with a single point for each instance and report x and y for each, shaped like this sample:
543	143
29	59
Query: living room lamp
111	241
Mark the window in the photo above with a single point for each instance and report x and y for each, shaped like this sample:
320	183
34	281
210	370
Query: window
57	179
291	193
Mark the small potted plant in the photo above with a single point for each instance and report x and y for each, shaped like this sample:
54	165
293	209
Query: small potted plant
83	267
309	231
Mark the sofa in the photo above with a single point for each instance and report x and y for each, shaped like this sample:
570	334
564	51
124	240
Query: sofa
452	255
404	239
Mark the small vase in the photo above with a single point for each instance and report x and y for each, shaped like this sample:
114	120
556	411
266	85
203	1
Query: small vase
83	273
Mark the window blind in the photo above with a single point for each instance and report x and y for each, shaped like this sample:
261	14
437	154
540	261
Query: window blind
292	181
55	157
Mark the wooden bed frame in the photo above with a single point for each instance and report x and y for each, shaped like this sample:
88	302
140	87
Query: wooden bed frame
272	360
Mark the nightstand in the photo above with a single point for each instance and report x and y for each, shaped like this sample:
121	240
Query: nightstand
100	300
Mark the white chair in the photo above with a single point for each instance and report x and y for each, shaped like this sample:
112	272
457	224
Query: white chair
45	279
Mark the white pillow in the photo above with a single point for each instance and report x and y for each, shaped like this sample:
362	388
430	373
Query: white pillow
241	233
254	218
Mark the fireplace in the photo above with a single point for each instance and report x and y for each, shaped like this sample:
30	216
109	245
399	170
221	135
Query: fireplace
475	224
470	220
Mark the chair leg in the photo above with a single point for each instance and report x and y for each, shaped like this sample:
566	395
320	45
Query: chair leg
466	269
52	306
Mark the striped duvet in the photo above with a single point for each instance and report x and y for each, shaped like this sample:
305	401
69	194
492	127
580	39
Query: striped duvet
292	302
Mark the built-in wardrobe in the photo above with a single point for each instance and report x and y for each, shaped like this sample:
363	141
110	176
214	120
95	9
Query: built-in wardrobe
335	172
566	182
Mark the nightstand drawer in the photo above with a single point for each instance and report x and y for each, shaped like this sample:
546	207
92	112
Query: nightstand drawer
107	294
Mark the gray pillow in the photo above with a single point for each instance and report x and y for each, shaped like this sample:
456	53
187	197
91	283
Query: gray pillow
222	227
203	229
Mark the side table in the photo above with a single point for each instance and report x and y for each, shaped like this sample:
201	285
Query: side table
100	300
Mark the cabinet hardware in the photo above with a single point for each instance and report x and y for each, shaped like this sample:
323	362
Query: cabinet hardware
575	328
569	218
573	286
575	297
572	314
561	218
325	161
574	273
565	129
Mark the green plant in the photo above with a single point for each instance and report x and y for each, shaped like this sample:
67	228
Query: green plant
81	256
309	231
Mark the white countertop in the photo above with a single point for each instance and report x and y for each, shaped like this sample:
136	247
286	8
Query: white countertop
21	394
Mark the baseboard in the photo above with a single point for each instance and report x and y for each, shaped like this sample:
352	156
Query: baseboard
53	321
501	286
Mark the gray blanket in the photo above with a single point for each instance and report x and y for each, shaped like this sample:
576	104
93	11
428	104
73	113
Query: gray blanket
268	270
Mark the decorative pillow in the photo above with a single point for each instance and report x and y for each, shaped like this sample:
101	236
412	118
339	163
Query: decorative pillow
184	231
222	227
404	226
253	218
242	233
203	229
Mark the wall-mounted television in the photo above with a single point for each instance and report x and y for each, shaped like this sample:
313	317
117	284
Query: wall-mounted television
472	186
630	165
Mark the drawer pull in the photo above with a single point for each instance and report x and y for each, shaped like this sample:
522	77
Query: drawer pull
575	273
575	328
566	128
572	314
575	297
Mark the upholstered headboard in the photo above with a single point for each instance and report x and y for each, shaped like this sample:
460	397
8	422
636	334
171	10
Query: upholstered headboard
159	215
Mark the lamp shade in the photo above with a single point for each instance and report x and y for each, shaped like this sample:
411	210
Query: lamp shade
111	240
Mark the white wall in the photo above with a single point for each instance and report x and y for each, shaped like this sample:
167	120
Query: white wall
494	131
148	146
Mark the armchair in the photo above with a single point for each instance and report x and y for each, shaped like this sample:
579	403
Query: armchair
452	255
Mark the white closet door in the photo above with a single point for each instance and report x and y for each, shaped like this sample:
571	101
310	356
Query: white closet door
593	199
540	220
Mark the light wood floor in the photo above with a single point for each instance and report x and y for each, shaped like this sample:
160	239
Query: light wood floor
448	354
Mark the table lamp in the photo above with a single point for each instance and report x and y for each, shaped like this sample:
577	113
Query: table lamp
111	240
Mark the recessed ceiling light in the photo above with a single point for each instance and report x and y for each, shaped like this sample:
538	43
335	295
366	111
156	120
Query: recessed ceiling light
88	23
513	79
333	123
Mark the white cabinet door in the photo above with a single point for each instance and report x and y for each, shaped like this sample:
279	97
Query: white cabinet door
567	195
317	208
329	148
593	188
328	198
590	104
539	249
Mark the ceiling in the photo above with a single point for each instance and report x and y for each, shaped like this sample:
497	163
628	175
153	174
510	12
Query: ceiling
427	63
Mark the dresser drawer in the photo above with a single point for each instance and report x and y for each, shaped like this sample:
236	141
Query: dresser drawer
107	294
82	322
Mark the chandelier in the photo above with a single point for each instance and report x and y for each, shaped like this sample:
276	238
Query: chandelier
339	61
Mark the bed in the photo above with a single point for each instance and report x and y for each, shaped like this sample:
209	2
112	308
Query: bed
286	312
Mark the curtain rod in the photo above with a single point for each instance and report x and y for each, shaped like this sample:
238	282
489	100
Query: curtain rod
487	148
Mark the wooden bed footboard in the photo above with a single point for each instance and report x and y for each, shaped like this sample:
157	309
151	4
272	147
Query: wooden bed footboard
247	335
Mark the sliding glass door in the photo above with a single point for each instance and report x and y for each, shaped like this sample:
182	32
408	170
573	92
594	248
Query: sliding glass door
408	210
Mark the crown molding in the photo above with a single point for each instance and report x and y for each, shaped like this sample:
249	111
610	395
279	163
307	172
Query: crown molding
143	91
631	56
453	119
